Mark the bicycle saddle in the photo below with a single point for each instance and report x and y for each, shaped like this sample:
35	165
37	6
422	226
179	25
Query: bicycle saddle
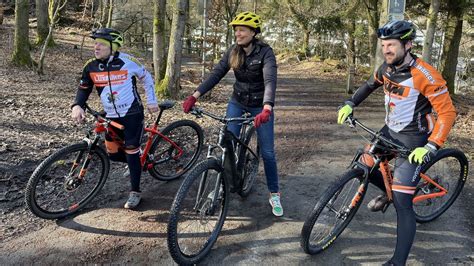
166	104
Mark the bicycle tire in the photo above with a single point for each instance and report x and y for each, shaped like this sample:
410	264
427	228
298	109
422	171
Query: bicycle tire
330	196
249	167
183	246
448	165
53	178
186	134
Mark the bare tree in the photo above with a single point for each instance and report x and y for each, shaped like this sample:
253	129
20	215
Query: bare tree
231	7
55	6
453	32
42	22
159	46
110	13
21	45
378	47
170	84
373	15
308	13
430	30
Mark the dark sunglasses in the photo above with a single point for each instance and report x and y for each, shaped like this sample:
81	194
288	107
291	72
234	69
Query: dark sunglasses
384	32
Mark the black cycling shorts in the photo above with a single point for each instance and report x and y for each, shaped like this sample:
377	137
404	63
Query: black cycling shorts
406	175
130	136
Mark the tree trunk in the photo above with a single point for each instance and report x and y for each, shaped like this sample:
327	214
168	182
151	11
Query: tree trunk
159	46
110	13
55	8
430	30
305	45
374	20
104	9
21	46
231	8
453	32
383	18
86	3
350	54
170	84
42	21
188	30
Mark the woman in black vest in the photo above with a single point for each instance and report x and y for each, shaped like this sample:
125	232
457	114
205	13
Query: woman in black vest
255	71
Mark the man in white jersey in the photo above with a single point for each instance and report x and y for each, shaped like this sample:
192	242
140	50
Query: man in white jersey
114	75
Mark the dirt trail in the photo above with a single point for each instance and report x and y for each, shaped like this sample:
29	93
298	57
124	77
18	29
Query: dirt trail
312	150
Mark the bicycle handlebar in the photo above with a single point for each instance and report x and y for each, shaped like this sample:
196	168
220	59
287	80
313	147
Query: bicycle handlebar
100	117
378	135
199	112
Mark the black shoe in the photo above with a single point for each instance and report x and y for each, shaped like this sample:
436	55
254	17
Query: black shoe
379	203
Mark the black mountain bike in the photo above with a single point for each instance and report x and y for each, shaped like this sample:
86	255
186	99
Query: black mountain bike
442	179
200	206
71	177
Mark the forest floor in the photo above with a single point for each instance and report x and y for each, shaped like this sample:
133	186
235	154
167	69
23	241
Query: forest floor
312	150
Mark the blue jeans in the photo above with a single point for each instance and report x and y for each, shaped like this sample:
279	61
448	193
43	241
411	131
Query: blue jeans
265	137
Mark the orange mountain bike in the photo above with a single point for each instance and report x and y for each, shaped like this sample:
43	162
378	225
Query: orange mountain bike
442	179
70	178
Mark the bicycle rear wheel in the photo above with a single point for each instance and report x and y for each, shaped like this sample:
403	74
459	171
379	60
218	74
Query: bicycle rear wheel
198	213
56	189
333	211
449	168
168	164
248	164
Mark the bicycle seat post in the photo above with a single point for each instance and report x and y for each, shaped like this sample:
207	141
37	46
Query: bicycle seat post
159	117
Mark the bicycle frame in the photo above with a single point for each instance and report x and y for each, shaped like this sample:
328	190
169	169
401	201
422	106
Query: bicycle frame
381	161
227	150
104	125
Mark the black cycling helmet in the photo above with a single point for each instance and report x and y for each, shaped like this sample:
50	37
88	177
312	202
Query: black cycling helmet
113	36
397	29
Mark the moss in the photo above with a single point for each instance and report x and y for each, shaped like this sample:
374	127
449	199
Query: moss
22	59
161	88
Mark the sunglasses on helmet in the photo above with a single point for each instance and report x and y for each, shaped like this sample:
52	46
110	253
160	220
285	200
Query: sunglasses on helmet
384	32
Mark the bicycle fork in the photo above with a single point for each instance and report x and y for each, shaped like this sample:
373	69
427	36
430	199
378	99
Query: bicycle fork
73	181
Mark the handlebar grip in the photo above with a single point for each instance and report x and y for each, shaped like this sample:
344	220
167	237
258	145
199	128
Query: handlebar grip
117	125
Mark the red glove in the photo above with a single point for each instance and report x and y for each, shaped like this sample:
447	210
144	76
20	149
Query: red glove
262	118
188	104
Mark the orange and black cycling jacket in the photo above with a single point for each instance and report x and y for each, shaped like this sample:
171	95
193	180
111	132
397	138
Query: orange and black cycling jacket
412	93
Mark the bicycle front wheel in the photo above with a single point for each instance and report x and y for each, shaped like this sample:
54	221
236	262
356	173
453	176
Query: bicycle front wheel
172	159
333	211
57	189
198	213
449	168
248	163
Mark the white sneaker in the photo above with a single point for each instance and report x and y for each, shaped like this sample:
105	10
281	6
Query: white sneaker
274	200
133	200
126	173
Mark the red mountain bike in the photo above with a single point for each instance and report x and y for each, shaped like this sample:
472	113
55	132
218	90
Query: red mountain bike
442	179
70	178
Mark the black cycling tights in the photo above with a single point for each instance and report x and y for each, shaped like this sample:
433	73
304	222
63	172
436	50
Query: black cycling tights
134	166
135	169
406	226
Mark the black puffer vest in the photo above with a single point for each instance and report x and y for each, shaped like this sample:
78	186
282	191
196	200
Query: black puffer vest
249	87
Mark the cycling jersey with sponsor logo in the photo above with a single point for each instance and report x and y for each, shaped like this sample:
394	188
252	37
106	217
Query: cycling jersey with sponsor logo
412	93
115	81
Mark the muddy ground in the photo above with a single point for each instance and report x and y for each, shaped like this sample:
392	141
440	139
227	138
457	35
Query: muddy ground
312	151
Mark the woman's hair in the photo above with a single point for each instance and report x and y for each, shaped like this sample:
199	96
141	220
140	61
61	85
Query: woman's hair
237	57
